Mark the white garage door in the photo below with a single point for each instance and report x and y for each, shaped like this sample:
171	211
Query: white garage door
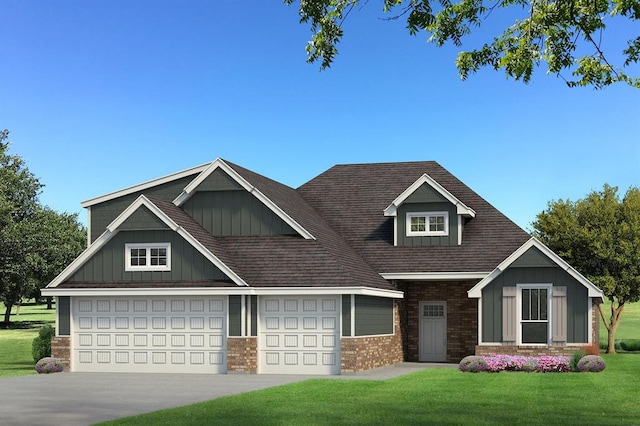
299	335
159	335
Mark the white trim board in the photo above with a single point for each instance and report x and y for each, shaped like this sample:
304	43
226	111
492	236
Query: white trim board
434	276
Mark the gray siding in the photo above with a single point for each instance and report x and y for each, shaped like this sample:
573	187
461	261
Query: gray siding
224	213
142	219
108	264
254	317
63	305
235	315
449	240
577	300
104	213
374	315
426	194
219	181
532	258
346	315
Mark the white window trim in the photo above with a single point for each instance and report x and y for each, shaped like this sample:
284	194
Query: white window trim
148	267
426	232
520	287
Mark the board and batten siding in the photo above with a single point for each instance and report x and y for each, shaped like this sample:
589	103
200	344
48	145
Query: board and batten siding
577	299
63	307
234	213
447	240
374	315
108	264
103	214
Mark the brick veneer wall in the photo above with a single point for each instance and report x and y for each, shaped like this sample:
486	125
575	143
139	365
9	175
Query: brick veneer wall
462	317
61	349
367	352
242	354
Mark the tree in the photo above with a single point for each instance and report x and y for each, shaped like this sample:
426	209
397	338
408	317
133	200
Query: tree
566	34
600	236
35	242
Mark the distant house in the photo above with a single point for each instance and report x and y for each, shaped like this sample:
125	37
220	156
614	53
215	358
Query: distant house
218	269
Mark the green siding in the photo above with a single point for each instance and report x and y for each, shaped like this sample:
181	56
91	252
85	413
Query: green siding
532	258
577	300
108	264
235	315
103	214
63	305
374	315
254	317
225	213
142	219
346	315
219	180
426	194
448	240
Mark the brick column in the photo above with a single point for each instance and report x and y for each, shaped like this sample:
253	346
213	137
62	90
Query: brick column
61	349
242	354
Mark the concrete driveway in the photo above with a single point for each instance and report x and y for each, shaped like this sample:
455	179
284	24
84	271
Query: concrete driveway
85	398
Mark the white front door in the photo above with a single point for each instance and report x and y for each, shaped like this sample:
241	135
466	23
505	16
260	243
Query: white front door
299	335
433	331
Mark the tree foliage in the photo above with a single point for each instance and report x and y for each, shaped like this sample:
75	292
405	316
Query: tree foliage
600	236
36	243
566	34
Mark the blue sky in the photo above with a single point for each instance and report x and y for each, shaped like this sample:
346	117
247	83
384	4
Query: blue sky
102	95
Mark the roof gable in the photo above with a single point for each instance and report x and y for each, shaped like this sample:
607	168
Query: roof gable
414	190
217	168
524	250
145	205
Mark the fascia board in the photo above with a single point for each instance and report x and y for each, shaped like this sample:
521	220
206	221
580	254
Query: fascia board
433	276
461	208
204	291
592	289
143	186
219	163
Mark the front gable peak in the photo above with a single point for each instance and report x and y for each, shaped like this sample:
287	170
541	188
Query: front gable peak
461	208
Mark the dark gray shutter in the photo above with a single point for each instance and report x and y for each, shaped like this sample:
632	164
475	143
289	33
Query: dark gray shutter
509	320
559	315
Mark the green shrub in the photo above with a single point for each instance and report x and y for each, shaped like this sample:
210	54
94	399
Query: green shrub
575	359
41	346
630	345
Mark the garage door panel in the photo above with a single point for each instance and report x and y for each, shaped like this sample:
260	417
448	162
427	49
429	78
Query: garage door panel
299	335
150	335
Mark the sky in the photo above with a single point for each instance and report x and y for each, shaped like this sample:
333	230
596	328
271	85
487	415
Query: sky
104	94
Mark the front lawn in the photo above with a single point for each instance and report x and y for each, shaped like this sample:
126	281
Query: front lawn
15	342
435	396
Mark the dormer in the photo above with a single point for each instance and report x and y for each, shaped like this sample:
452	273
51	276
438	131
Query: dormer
426	214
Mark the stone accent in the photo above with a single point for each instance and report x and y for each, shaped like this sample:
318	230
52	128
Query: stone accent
462	317
527	350
242	354
61	349
367	352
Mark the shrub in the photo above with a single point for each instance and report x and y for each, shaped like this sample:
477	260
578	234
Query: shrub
41	346
592	363
473	364
49	365
575	359
630	345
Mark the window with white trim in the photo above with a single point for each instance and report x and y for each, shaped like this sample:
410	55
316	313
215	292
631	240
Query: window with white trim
535	303
148	257
427	224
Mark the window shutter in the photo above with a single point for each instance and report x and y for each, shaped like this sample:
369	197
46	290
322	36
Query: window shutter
559	315
509	322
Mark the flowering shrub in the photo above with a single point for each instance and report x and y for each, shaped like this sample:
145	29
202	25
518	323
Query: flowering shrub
49	365
592	363
496	363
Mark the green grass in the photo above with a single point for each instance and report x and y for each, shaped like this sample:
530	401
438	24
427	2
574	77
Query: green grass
630	324
434	396
15	342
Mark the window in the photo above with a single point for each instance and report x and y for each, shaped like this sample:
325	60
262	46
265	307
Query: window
534	314
427	224
148	257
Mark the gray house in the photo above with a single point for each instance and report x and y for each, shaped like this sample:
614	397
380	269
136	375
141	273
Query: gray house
218	269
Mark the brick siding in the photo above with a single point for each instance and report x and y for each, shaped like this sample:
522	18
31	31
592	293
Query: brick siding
367	352
61	349
242	354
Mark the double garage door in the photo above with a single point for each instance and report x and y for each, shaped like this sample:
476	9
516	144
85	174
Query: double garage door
160	335
296	335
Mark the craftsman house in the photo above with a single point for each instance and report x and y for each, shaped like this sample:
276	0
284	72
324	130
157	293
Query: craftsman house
218	269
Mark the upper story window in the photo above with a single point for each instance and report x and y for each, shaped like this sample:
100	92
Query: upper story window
427	224
148	257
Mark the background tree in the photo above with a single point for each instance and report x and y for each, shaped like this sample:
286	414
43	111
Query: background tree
568	35
600	236
36	243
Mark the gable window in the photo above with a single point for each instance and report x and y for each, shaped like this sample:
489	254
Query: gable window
148	257
427	224
534	314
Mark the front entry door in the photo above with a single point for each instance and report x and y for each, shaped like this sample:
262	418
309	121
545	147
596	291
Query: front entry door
433	331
